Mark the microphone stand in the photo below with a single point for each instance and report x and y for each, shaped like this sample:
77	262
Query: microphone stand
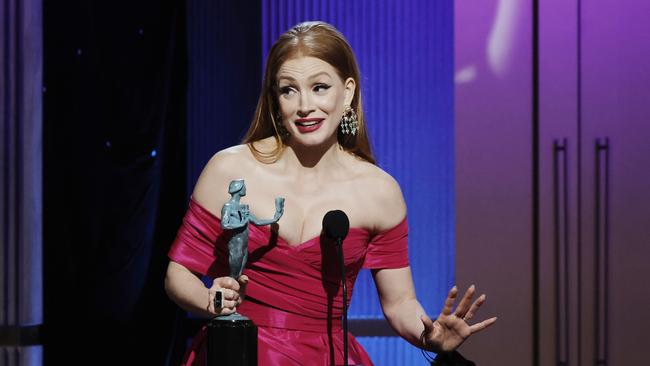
339	249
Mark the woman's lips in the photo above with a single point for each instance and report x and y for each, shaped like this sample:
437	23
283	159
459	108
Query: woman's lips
307	125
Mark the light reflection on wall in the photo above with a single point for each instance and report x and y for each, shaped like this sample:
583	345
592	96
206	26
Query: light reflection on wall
498	36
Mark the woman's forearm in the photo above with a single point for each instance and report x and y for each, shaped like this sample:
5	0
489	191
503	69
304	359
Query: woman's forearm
404	318
187	290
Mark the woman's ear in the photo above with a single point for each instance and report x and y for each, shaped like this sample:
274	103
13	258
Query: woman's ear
350	86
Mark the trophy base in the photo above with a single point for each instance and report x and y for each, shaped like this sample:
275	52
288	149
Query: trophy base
232	340
234	317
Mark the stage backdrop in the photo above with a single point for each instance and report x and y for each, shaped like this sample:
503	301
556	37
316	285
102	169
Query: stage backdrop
405	52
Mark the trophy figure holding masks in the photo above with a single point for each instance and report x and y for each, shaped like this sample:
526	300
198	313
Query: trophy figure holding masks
234	336
235	217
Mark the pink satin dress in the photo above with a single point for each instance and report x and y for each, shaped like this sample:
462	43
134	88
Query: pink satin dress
294	295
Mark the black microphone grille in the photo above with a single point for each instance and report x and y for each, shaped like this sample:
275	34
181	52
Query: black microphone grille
336	224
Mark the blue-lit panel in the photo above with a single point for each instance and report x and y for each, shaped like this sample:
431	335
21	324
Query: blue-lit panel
223	77
405	53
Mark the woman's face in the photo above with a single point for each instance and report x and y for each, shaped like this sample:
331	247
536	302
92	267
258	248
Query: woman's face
312	98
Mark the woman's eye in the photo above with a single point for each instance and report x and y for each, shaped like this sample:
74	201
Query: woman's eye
321	88
286	90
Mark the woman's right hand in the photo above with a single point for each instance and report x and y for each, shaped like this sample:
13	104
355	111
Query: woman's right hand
233	294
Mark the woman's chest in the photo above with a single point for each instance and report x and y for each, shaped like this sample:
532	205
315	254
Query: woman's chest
304	209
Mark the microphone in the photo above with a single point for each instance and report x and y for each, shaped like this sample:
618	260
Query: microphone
336	226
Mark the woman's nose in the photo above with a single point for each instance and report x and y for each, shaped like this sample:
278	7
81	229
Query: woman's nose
306	105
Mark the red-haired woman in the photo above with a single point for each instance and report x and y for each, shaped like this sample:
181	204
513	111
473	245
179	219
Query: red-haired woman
308	143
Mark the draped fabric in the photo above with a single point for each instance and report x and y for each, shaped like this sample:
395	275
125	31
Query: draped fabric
294	290
114	193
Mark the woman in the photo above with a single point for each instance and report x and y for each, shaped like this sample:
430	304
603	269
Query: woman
308	143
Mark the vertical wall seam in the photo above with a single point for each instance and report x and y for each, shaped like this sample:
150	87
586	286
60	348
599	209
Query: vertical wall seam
579	175
18	166
535	185
6	161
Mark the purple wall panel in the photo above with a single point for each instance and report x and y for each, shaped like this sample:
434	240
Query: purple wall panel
615	235
593	95
493	59
558	124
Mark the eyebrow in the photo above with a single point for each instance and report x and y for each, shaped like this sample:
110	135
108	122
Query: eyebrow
311	77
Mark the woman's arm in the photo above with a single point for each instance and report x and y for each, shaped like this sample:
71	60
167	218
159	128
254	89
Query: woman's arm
188	291
404	313
211	191
395	286
399	304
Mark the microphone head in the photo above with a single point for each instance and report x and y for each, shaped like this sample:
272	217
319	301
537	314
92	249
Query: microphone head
336	224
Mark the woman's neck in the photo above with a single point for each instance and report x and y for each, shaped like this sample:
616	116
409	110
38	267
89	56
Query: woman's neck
308	160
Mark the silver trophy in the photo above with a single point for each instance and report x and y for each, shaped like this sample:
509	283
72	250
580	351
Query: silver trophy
235	217
232	339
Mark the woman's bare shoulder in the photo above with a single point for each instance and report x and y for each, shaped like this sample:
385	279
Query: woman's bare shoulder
211	189
382	195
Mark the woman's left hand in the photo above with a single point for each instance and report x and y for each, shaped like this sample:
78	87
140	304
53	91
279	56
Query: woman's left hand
450	330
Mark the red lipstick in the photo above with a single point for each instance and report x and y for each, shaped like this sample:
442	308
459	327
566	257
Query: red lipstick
306	125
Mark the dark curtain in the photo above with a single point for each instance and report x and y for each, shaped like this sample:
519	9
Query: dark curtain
114	177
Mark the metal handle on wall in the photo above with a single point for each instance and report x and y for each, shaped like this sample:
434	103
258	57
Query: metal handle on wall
561	250
601	248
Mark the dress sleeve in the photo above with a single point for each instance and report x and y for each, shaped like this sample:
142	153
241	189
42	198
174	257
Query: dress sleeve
200	243
389	249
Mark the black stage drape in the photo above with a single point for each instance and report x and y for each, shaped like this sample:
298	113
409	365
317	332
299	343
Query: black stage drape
114	177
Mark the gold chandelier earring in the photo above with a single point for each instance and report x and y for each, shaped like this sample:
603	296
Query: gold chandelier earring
349	122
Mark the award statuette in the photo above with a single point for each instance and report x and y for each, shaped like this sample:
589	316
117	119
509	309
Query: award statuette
232	339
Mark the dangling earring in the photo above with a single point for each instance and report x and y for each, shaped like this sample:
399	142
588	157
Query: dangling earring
349	123
279	127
